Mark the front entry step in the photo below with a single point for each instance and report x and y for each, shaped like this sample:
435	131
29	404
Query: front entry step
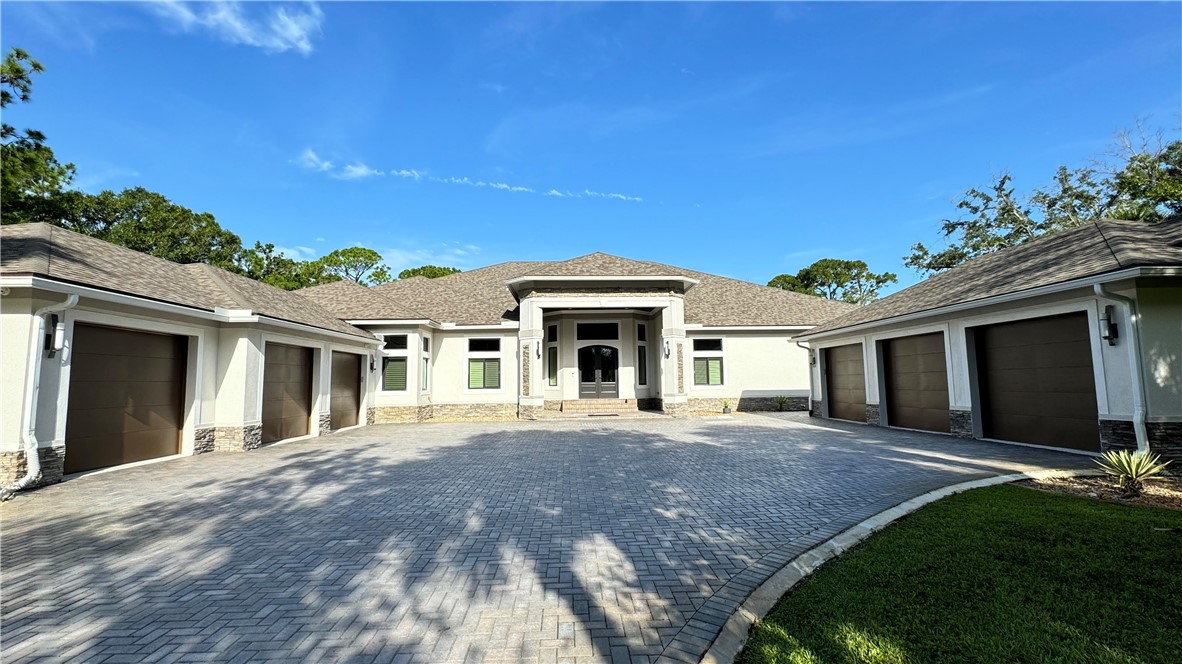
595	406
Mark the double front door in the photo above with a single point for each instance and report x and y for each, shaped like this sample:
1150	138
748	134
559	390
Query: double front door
598	369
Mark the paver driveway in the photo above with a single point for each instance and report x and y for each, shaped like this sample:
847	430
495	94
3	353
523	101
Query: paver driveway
554	541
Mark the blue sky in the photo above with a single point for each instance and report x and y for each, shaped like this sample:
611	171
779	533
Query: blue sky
741	139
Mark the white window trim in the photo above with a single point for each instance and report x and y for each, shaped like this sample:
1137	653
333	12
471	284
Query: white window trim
720	354
484	355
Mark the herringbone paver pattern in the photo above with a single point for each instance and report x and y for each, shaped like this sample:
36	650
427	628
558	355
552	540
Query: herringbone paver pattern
565	541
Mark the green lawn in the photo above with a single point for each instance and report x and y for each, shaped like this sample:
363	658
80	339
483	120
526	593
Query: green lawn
1002	574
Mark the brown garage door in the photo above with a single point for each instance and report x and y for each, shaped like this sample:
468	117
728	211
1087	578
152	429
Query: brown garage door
916	382
126	397
846	379
346	389
287	392
1036	383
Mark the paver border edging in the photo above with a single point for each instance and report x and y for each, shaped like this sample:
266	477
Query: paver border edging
733	637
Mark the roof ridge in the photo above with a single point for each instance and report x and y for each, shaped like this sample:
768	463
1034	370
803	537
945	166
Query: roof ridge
232	293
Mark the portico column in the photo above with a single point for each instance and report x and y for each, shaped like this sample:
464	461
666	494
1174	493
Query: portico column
674	356
530	334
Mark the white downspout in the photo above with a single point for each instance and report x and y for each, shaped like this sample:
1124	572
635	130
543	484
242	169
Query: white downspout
1138	377
32	387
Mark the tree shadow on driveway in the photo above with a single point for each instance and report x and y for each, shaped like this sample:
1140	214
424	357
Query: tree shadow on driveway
443	542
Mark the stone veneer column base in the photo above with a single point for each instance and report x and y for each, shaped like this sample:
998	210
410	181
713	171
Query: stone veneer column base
872	415
1165	438
675	408
203	440
529	412
238	439
325	423
816	408
552	404
960	423
1117	435
53	459
369	416
648	403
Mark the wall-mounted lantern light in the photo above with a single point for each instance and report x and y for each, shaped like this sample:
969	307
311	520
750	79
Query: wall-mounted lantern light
538	351
1108	330
666	349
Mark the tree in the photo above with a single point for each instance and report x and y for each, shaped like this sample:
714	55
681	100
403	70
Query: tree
354	263
836	279
428	271
1144	183
33	183
263	263
147	221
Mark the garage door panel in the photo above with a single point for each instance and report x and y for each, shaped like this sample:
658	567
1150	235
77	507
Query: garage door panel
916	382
345	395
126	396
1036	382
846	382
287	392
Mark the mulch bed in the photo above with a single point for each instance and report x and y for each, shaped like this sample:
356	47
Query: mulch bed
1161	491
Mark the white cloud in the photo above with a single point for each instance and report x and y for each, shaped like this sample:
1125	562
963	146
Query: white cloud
356	172
359	170
273	29
297	253
310	160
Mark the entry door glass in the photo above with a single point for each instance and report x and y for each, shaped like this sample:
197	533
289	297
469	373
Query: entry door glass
598	366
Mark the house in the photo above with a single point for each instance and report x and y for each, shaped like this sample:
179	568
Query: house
114	357
1073	340
592	333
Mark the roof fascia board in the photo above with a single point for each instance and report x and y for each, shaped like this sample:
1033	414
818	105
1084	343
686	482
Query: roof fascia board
695	327
218	315
1083	282
518	280
391	321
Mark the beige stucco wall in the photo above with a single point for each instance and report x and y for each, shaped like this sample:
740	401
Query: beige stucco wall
755	364
15	321
1160	302
450	367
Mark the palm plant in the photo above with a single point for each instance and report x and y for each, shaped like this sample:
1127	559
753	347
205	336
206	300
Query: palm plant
781	400
1131	469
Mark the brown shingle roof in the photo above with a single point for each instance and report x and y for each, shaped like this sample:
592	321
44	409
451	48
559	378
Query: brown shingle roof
46	250
480	297
1089	250
350	300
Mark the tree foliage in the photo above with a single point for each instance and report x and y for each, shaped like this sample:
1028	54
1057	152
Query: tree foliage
263	263
428	271
1142	182
356	263
836	279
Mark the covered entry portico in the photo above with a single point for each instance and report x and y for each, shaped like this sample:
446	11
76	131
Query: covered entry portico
592	338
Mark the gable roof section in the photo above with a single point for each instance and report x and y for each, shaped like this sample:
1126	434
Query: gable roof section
1089	250
48	251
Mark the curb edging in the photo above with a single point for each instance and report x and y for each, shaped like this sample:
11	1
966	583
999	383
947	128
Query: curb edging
734	633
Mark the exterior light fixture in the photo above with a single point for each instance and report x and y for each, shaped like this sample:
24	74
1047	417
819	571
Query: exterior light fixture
666	349
538	346
1108	330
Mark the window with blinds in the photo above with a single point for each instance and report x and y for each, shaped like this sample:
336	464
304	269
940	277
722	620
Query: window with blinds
707	371
394	374
484	374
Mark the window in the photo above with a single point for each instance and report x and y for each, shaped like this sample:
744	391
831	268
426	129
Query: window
707	371
425	372
707	345
394	342
426	344
484	345
642	364
484	374
641	332
552	366
552	334
394	374
597	331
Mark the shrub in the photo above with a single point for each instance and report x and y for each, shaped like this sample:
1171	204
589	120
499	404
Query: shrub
781	401
1131	468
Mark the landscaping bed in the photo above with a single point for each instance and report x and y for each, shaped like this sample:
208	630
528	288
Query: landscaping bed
1000	574
1162	491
